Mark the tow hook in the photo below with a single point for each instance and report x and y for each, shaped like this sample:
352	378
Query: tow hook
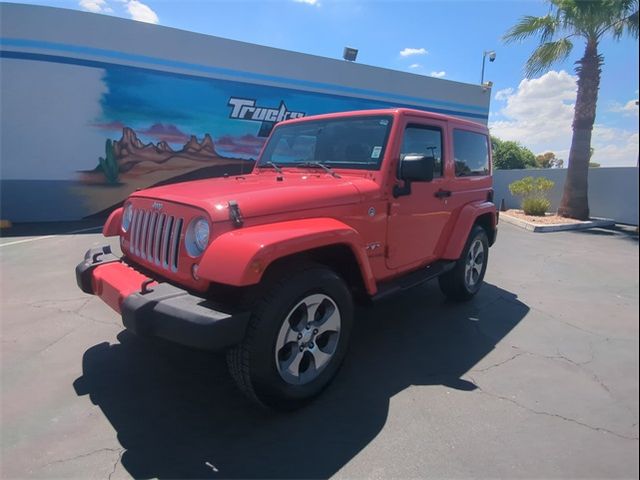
144	288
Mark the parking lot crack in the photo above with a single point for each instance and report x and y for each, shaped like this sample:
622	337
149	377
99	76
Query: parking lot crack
553	415
486	369
115	464
559	356
57	340
569	324
88	454
50	304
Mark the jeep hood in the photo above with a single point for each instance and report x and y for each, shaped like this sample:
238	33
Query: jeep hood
261	194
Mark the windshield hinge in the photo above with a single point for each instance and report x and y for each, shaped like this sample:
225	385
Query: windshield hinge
235	214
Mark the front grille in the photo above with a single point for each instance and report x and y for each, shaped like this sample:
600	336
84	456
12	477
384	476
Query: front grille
155	237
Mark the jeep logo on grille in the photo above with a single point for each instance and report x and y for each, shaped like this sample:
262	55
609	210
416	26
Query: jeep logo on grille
156	206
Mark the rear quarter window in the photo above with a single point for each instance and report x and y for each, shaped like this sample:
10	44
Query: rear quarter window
471	153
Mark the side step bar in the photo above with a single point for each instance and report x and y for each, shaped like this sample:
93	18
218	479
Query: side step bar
413	279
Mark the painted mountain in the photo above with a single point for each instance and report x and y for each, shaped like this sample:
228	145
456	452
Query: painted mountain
129	164
129	158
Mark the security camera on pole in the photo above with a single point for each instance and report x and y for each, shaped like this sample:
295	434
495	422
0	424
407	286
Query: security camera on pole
492	56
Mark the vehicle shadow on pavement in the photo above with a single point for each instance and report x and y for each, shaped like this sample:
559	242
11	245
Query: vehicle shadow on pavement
178	415
626	232
36	229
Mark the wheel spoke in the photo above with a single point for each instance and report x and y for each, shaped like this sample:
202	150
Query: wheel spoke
292	364
290	336
312	308
331	322
320	358
298	317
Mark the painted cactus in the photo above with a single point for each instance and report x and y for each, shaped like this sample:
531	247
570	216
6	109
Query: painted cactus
109	164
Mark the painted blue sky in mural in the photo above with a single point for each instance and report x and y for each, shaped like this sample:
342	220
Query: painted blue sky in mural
171	108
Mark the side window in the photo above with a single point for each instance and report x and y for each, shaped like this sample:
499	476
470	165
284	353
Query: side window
423	140
471	153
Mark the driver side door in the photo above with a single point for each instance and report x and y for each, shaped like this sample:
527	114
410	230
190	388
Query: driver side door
416	220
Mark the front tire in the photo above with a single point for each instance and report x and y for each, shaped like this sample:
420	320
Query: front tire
296	339
465	279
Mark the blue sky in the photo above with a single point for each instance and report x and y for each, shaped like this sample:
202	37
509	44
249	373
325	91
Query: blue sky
440	38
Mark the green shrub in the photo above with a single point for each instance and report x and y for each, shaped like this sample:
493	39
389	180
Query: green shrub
533	192
535	206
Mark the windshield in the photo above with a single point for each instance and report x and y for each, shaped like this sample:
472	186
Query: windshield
356	142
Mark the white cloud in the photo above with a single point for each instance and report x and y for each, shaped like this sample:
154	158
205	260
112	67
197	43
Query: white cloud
614	146
415	65
82	88
630	108
502	95
407	52
95	6
309	2
438	74
539	114
141	12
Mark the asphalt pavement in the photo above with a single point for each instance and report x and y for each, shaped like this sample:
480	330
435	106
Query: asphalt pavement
536	377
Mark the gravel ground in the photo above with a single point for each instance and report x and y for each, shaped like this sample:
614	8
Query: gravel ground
548	219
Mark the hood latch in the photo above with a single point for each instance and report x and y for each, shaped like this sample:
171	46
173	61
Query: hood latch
235	214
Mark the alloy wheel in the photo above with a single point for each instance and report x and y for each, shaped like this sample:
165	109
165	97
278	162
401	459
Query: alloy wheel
307	339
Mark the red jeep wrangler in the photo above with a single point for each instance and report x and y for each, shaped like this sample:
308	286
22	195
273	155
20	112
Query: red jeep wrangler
267	265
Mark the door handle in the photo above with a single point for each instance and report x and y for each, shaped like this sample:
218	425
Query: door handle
443	193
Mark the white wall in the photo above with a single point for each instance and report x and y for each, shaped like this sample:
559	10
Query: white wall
613	192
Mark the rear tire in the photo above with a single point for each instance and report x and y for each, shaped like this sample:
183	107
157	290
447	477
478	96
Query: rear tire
296	339
465	279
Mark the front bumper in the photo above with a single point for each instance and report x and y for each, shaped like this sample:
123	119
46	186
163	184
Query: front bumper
156	309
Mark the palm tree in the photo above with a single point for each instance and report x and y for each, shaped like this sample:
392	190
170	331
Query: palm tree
589	21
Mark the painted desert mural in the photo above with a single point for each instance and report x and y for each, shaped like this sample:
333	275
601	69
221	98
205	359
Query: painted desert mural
165	128
129	164
102	132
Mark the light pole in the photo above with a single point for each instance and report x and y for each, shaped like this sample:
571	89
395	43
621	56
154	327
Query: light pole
492	56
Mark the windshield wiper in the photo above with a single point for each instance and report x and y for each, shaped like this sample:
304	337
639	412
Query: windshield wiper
326	168
272	165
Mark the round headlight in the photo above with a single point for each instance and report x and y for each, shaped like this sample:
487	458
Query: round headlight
197	236
201	234
126	217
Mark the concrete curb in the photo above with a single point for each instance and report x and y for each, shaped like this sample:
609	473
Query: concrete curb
557	227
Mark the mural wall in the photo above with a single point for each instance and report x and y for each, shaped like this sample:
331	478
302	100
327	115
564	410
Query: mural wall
83	127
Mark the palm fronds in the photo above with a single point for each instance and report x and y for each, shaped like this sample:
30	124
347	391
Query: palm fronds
529	26
547	54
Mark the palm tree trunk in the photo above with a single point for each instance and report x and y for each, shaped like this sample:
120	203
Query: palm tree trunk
575	200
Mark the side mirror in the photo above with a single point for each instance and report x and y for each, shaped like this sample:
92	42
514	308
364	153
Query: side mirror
416	168
413	168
